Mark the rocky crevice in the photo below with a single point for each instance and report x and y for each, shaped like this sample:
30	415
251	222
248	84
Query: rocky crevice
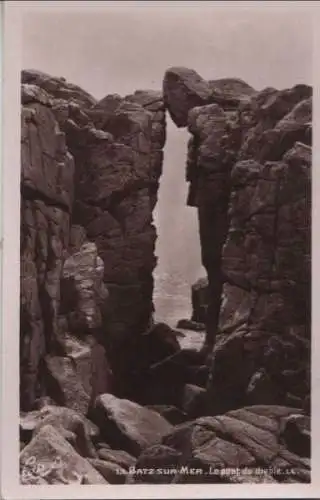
102	388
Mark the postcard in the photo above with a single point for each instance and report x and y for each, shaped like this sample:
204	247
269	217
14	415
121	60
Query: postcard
159	188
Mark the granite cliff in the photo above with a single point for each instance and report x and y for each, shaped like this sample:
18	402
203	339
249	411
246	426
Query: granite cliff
90	173
102	385
249	171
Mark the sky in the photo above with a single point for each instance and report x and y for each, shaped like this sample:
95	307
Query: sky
119	49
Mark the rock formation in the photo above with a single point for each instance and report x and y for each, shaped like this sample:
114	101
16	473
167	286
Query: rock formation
90	173
106	393
249	170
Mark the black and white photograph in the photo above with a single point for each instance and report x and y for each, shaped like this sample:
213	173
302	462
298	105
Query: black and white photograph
163	291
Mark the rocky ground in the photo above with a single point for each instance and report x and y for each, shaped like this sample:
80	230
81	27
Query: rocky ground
106	394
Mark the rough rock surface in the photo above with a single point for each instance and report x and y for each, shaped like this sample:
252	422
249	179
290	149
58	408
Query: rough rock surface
160	461
82	284
62	418
249	170
50	459
118	172
90	353
90	175
125	423
47	171
112	472
118	457
266	268
183	89
244	442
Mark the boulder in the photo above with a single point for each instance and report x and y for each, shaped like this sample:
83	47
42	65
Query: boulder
50	459
127	425
183	89
70	424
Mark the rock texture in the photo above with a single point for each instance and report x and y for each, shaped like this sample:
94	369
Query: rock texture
129	424
73	426
245	442
106	394
50	459
242	446
90	174
47	175
249	171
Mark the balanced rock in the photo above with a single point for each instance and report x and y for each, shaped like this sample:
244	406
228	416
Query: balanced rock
183	89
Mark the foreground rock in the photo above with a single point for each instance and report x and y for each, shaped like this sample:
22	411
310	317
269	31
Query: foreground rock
118	457
160	461
50	459
245	441
73	426
127	425
111	472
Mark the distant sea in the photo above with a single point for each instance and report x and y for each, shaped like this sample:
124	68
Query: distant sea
172	299
178	246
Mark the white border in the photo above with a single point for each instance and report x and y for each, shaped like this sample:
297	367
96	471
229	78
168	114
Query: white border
11	489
